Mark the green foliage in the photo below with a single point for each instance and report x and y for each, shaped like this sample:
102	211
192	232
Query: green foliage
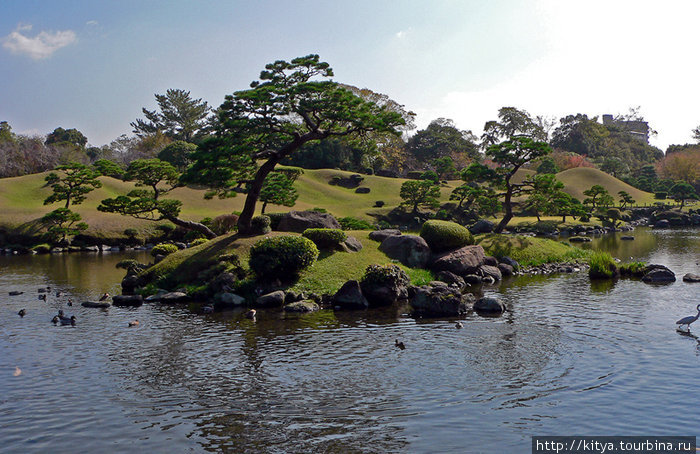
597	196
178	154
445	235
390	275
424	192
72	137
430	176
420	276
512	122
278	189
444	166
660	195
163	249
62	223
73	185
529	251
351	223
180	116
198	241
635	269
260	225
547	166
602	265
108	168
441	139
682	191
625	199
275	219
281	256
325	238
131	233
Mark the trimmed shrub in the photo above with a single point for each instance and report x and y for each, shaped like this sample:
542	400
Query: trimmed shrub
163	249
350	223
325	238
131	233
198	241
319	210
379	203
389	275
275	219
362	190
445	235
224	223
282	256
260	225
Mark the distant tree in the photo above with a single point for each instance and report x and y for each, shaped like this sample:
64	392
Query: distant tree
293	103
71	184
625	199
566	205
278	190
682	191
547	166
544	194
612	217
614	166
6	134
430	175
108	168
597	196
480	200
417	193
683	166
62	223
61	136
442	139
180	116
160	178
178	154
443	166
512	122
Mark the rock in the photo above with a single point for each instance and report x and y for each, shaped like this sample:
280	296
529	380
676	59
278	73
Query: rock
490	271
114	249
298	221
302	306
362	190
129	284
451	278
352	244
155	298
482	226
91	249
491	261
224	282
98	304
411	250
662	224
505	269
627	238
461	262
385	286
509	261
579	239
690	277
658	274
381	235
489	305
174	298
56	250
127	300
350	296
227	300
472	279
290	296
273	299
440	300
180	245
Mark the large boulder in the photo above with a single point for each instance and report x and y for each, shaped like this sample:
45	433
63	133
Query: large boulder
440	301
273	299
450	278
351	244
227	300
490	271
509	261
690	277
482	226
658	274
350	296
298	221
127	300
383	285
662	224
381	235
461	262
411	250
488	305
505	269
129	284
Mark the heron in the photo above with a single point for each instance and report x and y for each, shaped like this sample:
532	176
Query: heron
689	319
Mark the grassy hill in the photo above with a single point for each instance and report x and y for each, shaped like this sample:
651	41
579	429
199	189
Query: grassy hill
580	179
21	198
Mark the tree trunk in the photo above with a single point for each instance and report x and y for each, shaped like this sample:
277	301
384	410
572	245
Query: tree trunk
253	194
191	225
262	210
507	205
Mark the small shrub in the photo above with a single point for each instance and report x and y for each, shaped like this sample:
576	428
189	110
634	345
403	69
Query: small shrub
379	203
362	190
660	195
206	221
443	215
198	241
350	223
602	266
319	210
275	219
325	238
390	275
282	256
163	249
414	175
166	228
131	233
381	225
193	235
224	223
445	235
368	170
260	225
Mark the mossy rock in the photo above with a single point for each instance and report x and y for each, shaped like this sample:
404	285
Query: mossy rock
445	235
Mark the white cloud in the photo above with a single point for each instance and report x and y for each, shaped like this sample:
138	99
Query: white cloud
92	22
403	33
43	45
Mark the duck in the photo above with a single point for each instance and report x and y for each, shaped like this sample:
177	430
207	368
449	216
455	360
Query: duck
59	293
68	321
133	323
459	325
251	313
60	312
104	297
22	312
70	302
42	296
400	344
55	319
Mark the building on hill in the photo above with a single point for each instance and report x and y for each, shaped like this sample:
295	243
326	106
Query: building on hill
637	129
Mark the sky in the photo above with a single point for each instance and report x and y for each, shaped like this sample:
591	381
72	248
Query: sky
93	65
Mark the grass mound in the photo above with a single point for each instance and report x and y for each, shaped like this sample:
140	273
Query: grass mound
529	251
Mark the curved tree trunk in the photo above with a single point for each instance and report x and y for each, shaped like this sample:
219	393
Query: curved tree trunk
253	194
508	207
191	225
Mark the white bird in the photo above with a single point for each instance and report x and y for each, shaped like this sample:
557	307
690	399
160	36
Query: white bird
689	319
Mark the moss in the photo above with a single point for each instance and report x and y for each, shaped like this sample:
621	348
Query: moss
445	235
529	251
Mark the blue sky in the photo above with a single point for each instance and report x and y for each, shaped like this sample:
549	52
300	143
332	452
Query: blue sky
92	65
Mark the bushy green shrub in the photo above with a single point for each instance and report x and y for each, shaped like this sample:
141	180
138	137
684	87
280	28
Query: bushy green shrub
163	249
224	223
351	223
660	195
325	238
275	219
282	256
319	210
414	174
389	275
198	241
166	228
260	225
445	235
131	233
602	266
379	203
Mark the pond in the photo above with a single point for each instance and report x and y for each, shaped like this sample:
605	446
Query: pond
567	358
